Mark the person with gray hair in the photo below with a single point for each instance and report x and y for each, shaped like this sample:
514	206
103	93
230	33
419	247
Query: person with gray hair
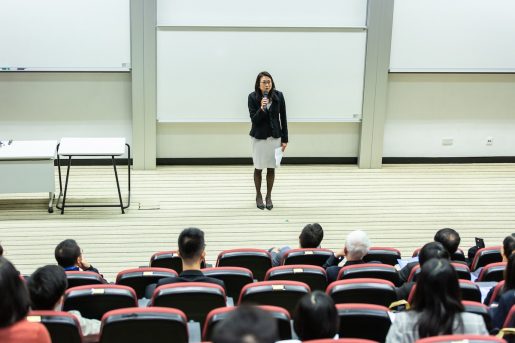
356	247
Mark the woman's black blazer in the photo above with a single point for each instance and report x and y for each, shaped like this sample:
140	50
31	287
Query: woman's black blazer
268	122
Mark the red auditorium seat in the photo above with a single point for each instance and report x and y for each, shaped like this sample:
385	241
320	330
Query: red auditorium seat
94	300
167	259
366	291
315	257
492	272
486	256
383	254
496	294
195	299
314	276
80	278
341	340
63	327
479	308
280	293
469	291
139	278
150	324
234	278
370	270
457	256
258	261
364	321
461	339
280	314
462	270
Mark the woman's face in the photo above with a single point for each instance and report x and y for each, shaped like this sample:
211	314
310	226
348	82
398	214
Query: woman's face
265	84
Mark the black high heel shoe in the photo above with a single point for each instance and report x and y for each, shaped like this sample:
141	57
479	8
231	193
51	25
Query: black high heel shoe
259	202
269	204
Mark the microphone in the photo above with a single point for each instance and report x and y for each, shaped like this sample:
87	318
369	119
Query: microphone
265	96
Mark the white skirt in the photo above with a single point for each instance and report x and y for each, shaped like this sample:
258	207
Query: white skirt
263	152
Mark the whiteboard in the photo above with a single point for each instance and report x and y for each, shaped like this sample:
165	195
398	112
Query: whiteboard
453	36
65	35
206	75
263	13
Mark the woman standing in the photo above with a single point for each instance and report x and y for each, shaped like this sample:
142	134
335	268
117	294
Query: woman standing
269	131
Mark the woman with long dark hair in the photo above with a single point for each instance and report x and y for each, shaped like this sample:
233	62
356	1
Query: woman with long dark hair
316	317
436	307
14	306
269	131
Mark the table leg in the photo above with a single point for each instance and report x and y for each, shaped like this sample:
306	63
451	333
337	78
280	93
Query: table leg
117	184
66	183
51	202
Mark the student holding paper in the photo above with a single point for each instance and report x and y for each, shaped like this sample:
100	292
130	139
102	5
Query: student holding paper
269	131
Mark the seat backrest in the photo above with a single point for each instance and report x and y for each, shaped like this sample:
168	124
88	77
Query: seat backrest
315	257
145	324
258	261
470	291
383	254
496	293
462	271
341	340
480	309
461	339
167	259
80	278
139	278
195	299
486	256
366	291
94	300
234	278
509	322
217	315
279	293
459	255
314	276
370	270
357	321
492	272
63	327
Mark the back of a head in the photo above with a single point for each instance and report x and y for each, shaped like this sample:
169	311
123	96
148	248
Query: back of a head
508	246
316	317
357	244
311	236
191	243
437	298
432	250
14	299
46	286
246	324
509	273
67	252
449	238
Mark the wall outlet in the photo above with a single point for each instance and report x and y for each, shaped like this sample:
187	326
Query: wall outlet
447	141
489	140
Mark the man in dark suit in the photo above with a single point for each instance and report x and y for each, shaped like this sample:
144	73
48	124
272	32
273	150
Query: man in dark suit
192	252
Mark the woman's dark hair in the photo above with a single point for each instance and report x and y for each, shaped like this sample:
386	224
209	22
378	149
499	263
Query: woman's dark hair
258	80
508	246
509	274
14	298
437	299
315	317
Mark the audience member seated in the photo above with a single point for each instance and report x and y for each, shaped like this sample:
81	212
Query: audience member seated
316	317
436	307
246	324
428	251
310	237
192	252
356	247
46	289
14	306
508	246
507	299
450	240
68	255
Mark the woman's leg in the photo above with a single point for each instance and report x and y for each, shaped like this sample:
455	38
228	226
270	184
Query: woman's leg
270	177
257	182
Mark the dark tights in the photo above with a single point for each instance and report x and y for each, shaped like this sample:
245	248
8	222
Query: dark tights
270	177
